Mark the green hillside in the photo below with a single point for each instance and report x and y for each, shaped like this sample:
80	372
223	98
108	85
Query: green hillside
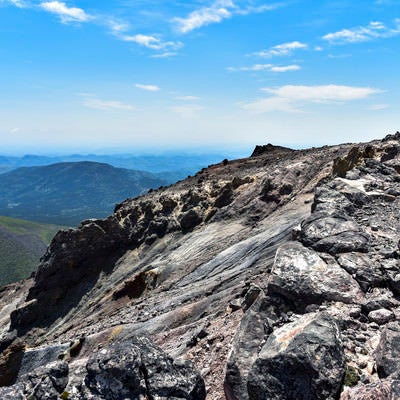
67	193
22	243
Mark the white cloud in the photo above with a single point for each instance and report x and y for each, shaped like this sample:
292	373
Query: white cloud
107	105
187	111
289	98
284	49
187	98
149	88
374	30
167	54
15	130
267	67
217	12
16	3
65	13
378	107
151	42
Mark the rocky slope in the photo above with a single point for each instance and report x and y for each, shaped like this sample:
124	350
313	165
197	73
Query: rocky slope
272	277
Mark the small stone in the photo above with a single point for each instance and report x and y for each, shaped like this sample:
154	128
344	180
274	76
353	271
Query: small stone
381	316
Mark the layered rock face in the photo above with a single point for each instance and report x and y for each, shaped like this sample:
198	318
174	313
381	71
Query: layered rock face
272	277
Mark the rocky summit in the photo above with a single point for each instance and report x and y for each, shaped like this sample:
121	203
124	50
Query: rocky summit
274	277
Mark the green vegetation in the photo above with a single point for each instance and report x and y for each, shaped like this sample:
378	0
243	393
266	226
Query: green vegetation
352	376
22	243
68	193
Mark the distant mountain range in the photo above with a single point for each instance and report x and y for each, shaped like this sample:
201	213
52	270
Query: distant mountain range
66	193
172	167
22	243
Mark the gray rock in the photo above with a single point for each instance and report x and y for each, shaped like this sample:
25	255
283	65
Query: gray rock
46	382
303	360
333	234
381	316
379	298
363	269
135	368
302	276
246	344
387	389
388	352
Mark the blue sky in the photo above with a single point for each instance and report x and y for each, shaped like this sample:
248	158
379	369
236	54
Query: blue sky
125	74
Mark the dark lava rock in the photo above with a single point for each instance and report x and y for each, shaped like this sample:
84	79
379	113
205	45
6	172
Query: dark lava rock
363	269
225	197
46	382
268	148
388	352
303	360
333	234
134	368
246	344
302	276
190	220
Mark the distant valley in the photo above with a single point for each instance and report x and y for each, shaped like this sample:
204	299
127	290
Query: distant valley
66	193
22	243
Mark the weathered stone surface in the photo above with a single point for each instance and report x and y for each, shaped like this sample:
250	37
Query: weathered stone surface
388	352
46	382
302	360
137	368
302	276
382	390
333	234
364	270
246	344
379	298
381	316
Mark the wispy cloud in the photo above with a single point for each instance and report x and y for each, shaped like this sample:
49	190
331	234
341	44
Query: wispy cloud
216	13
151	42
167	54
106	105
149	88
290	98
120	30
378	107
374	30
266	67
65	13
220	10
187	98
16	3
187	111
284	49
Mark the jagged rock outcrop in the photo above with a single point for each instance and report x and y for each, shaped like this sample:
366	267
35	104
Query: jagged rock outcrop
131	369
285	261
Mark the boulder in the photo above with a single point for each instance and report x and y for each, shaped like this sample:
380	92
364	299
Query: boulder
388	352
303	277
249	336
364	270
333	234
303	360
135	368
381	390
46	382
